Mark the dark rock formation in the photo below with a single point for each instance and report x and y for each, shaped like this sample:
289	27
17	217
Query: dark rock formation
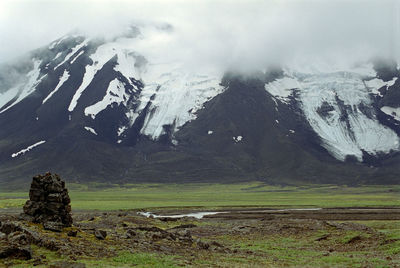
72	233
16	252
100	234
49	202
53	226
15	241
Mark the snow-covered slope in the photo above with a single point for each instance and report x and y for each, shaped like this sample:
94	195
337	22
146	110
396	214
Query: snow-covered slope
177	96
339	106
143	83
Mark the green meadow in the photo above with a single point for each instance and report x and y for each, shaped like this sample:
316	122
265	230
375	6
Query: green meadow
277	249
203	195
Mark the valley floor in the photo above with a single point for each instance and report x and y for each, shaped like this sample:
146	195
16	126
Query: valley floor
260	233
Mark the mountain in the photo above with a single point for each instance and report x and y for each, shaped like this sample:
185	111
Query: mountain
111	110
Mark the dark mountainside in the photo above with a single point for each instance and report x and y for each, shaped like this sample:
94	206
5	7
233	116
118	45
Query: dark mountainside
243	133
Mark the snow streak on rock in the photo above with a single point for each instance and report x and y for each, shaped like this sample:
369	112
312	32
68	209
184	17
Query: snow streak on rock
58	55
63	78
91	130
23	151
9	95
72	53
77	56
22	90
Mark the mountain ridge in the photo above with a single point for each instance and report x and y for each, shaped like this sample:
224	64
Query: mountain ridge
101	111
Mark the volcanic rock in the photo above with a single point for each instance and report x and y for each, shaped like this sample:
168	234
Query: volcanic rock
9	227
100	234
49	202
14	251
130	233
53	226
72	233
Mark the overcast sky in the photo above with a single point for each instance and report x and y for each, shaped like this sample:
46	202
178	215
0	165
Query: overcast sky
248	31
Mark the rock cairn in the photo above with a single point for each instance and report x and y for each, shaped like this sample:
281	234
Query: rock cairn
49	202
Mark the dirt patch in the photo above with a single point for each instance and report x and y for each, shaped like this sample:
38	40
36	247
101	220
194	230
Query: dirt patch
230	236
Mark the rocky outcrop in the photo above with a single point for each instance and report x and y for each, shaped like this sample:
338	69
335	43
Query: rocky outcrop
15	241
100	234
49	202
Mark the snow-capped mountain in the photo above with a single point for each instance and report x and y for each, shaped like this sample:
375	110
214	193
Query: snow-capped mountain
116	110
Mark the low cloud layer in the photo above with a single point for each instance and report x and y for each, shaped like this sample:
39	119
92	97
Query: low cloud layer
241	33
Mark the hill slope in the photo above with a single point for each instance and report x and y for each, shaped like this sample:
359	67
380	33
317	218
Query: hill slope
105	110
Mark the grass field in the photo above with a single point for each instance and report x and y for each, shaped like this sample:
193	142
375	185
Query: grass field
137	196
289	244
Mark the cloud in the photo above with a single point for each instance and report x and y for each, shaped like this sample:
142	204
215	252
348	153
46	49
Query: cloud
242	33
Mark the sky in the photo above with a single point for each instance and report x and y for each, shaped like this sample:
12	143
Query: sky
249	33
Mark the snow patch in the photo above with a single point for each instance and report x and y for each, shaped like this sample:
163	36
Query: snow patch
375	84
115	94
91	130
9	95
393	112
27	149
237	139
74	50
76	57
391	82
58	55
282	88
121	130
62	80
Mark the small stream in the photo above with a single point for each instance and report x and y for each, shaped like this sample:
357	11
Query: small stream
200	215
197	215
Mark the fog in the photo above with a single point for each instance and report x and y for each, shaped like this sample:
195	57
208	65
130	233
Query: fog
247	33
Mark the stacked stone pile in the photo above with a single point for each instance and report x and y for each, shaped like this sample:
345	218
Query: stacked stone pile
49	202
